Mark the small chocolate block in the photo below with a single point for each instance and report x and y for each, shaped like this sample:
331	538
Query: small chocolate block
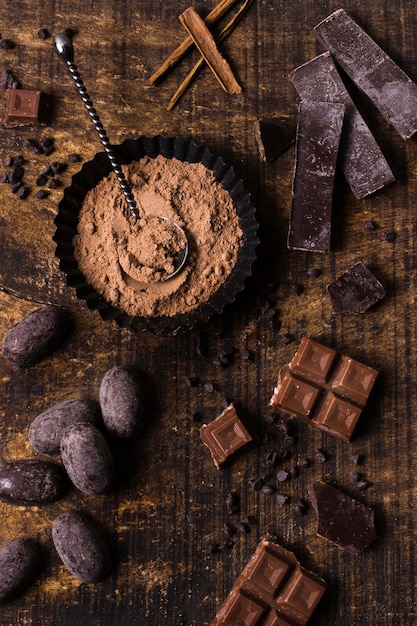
317	145
342	519
361	160
273	137
324	388
25	108
226	436
372	70
272	590
355	290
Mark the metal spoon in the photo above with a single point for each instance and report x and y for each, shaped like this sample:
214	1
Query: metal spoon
64	48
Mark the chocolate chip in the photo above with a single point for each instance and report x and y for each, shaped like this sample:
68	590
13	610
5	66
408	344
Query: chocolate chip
245	355
232	503
296	288
43	33
293	471
42	194
362	484
19	160
209	387
8	161
390	236
224	403
57	167
289	440
286	339
214	547
191	381
54	183
18	172
321	456
272	458
282	499
304	463
4	178
41	180
15	186
268	490
357	459
21	192
257	483
229	529
313	272
300	507
33	146
7	44
243	527
74	158
251	519
9	81
355	477
282	476
369	225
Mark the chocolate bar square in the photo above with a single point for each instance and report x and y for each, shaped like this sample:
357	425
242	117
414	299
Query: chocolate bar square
25	107
226	436
324	388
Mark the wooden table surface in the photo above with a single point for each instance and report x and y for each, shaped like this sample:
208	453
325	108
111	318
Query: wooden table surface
169	504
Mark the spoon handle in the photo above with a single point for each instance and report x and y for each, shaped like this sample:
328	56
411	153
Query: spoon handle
65	50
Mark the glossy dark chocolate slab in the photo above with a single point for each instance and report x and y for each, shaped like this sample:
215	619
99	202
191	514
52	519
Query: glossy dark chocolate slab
355	291
317	145
324	388
272	590
372	70
342	519
361	160
226	436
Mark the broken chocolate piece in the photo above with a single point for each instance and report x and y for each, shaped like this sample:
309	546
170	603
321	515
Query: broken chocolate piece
273	137
362	162
226	436
342	519
25	108
317	145
324	388
372	70
355	290
272	590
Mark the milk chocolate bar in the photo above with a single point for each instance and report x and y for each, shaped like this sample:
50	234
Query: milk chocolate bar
372	70
361	160
272	590
324	388
226	436
342	519
317	145
355	291
25	108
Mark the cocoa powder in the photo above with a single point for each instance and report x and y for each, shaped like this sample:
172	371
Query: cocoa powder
111	254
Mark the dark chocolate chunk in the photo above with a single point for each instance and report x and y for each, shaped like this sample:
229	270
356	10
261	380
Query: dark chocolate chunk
42	194
25	107
232	503
324	388
74	158
355	291
43	33
226	436
273	589
41	180
341	519
6	44
317	145
372	70
273	137
363	164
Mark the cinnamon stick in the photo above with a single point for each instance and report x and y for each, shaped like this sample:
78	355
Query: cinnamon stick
215	14
224	33
205	43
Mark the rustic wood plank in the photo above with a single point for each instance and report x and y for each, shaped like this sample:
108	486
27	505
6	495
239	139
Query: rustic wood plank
169	503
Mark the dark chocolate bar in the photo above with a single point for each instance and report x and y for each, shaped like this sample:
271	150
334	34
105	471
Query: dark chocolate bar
273	137
372	70
226	436
324	388
355	291
342	519
317	145
272	590
361	160
24	108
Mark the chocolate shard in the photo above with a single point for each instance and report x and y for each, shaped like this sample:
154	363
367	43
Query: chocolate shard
226	436
272	590
342	519
317	145
324	388
364	166
25	108
372	70
355	291
273	137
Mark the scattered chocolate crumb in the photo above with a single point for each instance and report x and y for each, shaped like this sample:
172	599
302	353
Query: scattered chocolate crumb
304	463
33	146
4	178
251	519
286	339
9	81
296	288
8	161
54	183
21	192
300	507
390	236
282	499
43	33
57	167
355	477
272	458
256	483
232	503
19	160
313	272
191	381
357	459
229	529
209	387
74	158
245	355
214	547
47	145
268	489
7	44
282	475
41	180
15	186
369	225
269	418
18	172
294	471
362	484
224	403
243	527
321	456
289	440
42	194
